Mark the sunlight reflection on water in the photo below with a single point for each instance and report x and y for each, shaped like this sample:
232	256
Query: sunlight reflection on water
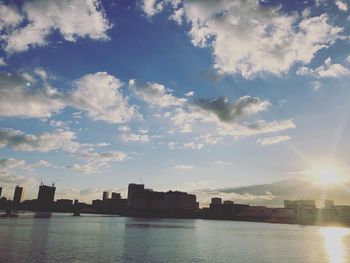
334	244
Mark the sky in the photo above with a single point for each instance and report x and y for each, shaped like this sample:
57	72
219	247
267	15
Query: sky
245	100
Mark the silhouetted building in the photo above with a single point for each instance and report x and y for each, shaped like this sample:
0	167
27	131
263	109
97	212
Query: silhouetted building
64	205
0	191
215	207
181	201
105	195
18	196
116	195
46	197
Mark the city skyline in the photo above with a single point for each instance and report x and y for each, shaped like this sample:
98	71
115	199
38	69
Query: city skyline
244	100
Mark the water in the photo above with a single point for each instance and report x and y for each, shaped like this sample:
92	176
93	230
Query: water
94	238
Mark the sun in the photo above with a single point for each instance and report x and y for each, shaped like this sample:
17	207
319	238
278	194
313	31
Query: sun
328	175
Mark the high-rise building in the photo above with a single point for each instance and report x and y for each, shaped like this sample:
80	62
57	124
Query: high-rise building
105	195
18	196
46	195
0	191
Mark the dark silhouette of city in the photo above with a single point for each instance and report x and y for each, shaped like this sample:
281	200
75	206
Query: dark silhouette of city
143	202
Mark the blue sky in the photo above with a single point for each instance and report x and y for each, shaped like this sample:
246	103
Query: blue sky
199	96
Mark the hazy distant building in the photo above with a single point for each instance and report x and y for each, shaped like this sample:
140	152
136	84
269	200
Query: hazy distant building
0	191
18	196
309	204
46	196
105	195
329	204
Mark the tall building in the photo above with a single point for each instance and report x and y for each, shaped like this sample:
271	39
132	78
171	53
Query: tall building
0	191
18	196
135	191
46	195
105	195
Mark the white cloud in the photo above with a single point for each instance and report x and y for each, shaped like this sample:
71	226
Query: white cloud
19	99
72	19
97	94
273	140
189	94
10	164
43	142
132	137
156	94
97	161
178	16
256	128
2	62
327	70
88	168
58	124
342	5
152	7
186	145
9	17
316	85
8	179
184	167
242	34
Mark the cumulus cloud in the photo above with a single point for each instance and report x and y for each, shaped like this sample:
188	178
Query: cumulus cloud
242	34
99	95
19	99
327	70
71	19
44	142
273	140
228	111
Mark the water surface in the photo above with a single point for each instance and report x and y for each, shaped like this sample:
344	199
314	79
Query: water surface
95	238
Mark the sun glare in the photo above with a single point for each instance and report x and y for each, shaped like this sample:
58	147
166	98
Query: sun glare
329	175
